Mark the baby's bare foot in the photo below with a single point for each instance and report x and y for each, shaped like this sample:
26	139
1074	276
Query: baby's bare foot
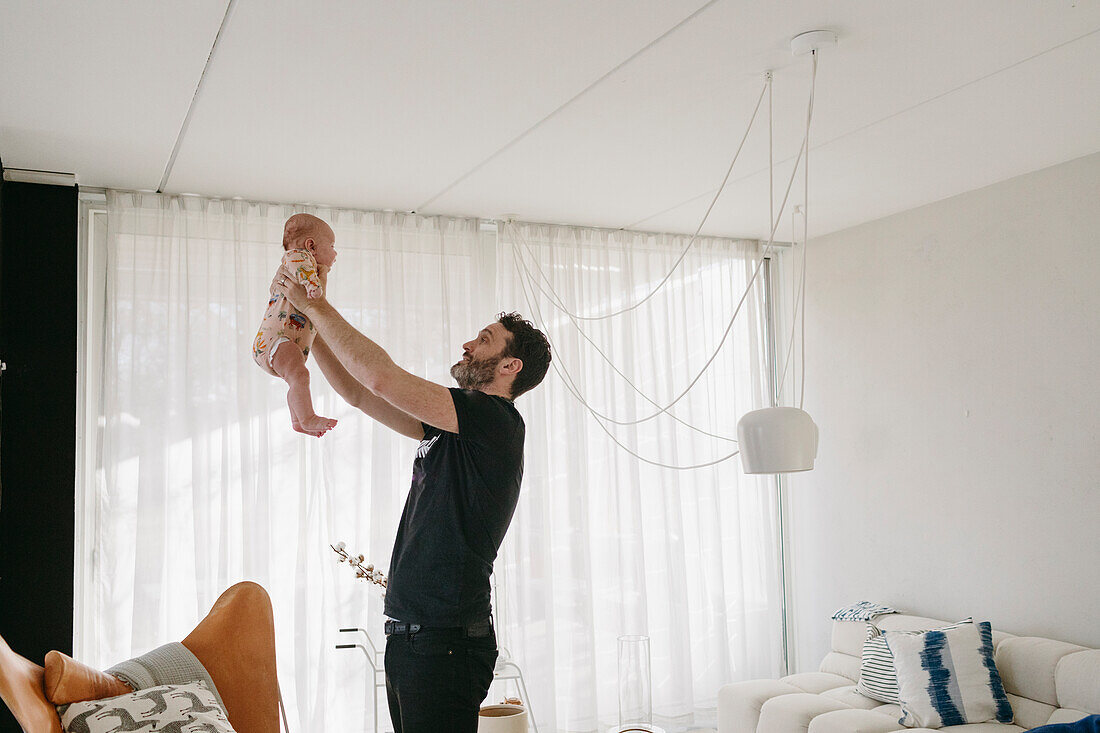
299	429
316	425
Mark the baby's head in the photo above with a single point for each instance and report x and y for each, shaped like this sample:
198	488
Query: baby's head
306	231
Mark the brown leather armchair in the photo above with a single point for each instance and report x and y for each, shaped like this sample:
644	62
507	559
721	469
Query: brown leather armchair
235	642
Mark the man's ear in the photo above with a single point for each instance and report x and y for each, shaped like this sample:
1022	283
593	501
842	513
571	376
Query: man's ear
511	366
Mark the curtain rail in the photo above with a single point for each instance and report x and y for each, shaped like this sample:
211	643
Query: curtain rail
495	223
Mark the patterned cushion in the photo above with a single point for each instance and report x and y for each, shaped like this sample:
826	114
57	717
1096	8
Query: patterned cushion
948	677
171	664
189	708
877	679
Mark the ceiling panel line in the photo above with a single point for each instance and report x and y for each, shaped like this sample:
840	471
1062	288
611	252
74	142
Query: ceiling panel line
565	104
869	125
191	107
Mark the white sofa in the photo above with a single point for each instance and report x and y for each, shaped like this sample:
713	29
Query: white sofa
1047	681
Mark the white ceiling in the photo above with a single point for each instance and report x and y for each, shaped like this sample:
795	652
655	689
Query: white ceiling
616	113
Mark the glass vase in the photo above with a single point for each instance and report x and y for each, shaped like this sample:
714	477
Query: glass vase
635	693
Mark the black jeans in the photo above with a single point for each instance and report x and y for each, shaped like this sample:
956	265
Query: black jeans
437	678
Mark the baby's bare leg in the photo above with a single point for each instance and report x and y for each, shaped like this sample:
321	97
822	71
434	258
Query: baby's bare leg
290	364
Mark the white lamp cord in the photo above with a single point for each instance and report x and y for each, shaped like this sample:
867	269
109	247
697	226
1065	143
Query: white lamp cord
806	229
691	241
569	385
526	278
555	299
799	310
530	279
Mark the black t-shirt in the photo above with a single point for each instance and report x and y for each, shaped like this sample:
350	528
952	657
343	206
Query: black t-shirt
464	492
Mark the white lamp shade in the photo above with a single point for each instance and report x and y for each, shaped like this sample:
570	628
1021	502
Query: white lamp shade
777	440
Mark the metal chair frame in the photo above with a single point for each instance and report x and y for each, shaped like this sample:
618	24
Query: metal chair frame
371	653
506	669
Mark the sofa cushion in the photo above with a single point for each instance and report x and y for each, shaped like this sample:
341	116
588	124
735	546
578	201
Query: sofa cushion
847	637
892	711
1076	680
1066	715
739	703
793	713
1029	713
853	721
841	664
816	681
850	697
1028	666
948	677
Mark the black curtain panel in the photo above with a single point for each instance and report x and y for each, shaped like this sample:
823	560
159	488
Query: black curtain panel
38	342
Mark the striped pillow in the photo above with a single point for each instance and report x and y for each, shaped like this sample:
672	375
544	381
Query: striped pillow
948	677
877	679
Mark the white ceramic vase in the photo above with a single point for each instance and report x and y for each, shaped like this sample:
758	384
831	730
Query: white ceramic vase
502	718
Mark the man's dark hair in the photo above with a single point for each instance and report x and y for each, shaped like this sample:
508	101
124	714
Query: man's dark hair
529	345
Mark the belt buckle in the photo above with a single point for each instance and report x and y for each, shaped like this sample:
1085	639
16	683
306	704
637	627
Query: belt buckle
400	628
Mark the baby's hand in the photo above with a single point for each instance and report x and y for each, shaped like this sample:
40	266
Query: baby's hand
322	275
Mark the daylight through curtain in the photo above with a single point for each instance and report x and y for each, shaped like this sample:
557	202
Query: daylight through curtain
604	544
200	482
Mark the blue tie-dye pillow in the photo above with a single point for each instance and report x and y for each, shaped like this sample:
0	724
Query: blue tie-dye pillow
948	677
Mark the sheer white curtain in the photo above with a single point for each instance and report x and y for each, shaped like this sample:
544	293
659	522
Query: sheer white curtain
200	482
603	544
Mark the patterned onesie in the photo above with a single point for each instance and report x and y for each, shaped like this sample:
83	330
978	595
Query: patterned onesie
282	321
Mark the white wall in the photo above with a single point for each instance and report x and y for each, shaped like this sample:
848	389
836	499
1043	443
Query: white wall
953	367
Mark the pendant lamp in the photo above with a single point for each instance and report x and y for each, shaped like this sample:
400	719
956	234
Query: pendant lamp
777	440
784	439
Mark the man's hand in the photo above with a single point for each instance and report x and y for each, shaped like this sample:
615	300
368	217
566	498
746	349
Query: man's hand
286	283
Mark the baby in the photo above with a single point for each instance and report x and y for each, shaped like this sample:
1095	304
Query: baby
308	242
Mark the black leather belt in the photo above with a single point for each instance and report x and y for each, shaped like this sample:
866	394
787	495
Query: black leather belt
474	630
400	627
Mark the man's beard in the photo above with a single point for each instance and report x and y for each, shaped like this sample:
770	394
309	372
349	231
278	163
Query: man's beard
475	373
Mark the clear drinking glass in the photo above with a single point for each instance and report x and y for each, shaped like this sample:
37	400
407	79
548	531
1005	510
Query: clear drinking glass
635	693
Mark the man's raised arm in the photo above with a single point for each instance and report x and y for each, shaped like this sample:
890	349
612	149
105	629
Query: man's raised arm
361	398
369	364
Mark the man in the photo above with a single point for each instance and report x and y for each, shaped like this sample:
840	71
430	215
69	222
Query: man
440	642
